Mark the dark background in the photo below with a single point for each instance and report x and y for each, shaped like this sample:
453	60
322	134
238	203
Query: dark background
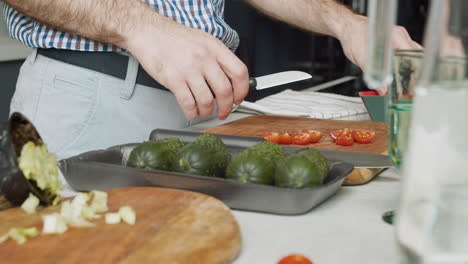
269	46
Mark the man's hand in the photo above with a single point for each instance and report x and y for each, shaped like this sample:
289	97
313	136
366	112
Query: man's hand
195	66
187	61
354	40
332	18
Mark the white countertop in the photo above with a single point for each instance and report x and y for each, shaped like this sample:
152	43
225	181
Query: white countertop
347	228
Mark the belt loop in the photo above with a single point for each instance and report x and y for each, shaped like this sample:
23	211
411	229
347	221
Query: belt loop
129	84
33	56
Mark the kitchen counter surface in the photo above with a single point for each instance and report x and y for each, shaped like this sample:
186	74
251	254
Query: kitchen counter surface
347	228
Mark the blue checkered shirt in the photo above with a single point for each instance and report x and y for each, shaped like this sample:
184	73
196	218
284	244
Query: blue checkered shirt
206	15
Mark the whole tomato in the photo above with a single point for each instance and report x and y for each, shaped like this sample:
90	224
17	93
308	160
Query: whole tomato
295	259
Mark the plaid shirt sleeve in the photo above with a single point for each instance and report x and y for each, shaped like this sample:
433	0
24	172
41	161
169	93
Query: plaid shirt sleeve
207	15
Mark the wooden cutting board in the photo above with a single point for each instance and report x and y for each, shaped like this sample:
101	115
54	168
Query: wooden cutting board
172	226
253	126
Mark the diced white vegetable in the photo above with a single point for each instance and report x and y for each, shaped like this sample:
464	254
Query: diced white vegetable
72	214
17	236
3	238
99	202
30	205
88	213
56	200
39	165
127	214
112	218
21	235
54	224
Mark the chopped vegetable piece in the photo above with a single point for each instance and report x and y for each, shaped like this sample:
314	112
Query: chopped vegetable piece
127	214
72	213
54	224
285	138
99	202
112	218
3	238
363	136
89	213
345	138
273	137
40	166
21	235
315	135
57	200
30	205
301	138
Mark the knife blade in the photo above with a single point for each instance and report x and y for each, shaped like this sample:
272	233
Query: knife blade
359	159
329	84
277	79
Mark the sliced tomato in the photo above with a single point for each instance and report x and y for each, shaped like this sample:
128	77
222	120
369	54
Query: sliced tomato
345	138
335	134
301	138
363	136
273	137
315	135
295	259
285	138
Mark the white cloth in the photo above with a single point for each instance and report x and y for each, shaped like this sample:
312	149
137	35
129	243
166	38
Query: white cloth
308	104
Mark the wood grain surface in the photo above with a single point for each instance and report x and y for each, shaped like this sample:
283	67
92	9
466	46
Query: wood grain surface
172	226
253	126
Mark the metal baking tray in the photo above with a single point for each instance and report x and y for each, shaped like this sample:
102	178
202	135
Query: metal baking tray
105	169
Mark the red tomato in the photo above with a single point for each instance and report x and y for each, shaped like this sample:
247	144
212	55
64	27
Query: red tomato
363	136
273	137
295	259
315	135
301	138
345	138
285	138
334	134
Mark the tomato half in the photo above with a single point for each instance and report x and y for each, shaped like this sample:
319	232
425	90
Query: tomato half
301	138
335	134
273	137
295	259
315	135
363	136
345	138
285	138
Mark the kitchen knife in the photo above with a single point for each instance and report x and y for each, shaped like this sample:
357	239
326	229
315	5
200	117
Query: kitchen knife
359	159
277	79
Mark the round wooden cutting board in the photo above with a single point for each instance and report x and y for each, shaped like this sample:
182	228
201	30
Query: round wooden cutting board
172	227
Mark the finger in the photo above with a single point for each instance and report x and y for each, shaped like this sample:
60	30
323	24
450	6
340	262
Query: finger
237	73
222	88
185	99
202	94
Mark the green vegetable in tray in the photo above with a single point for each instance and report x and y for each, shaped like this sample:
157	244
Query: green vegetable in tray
206	156
256	164
155	154
297	171
271	151
318	159
251	167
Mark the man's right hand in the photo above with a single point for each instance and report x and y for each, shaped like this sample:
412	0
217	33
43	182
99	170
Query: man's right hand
197	67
